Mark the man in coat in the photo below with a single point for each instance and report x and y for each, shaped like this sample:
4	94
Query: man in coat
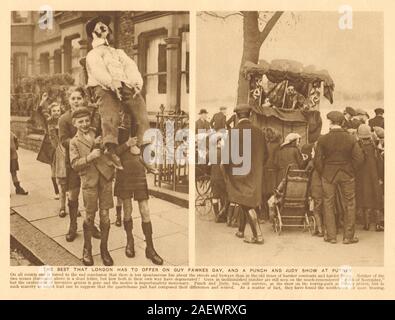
348	122
245	188
202	123
378	120
337	158
218	121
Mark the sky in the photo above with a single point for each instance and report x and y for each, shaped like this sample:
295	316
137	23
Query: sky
354	58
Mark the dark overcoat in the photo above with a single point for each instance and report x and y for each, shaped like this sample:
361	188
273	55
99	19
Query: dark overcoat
246	189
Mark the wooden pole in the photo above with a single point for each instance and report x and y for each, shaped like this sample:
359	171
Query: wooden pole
285	91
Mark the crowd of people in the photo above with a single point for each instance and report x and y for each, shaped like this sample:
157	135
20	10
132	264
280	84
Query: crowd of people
345	168
95	140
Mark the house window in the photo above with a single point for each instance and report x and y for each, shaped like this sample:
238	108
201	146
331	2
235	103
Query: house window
20	16
44	63
184	103
155	77
57	56
20	66
162	67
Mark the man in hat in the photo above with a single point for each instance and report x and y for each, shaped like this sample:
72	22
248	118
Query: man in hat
245	189
337	157
218	121
378	120
348	123
96	178
116	81
202	123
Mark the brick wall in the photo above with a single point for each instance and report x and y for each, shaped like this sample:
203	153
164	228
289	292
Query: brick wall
126	32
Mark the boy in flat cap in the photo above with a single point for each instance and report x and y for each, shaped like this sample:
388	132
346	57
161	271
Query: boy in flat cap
96	177
338	157
378	120
116	82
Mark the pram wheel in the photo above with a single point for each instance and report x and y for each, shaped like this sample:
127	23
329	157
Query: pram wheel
312	225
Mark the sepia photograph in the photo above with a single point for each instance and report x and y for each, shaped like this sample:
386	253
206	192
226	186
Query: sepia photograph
289	138
90	93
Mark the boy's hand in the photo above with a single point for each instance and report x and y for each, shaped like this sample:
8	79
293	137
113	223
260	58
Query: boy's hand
94	154
98	140
131	142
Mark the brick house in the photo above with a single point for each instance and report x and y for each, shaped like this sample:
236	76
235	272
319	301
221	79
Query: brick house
158	41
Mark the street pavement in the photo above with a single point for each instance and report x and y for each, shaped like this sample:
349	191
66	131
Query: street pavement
170	222
216	244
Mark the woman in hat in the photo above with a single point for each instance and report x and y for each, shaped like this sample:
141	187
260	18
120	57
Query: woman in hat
367	181
289	154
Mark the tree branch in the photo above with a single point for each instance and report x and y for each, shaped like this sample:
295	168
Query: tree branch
215	15
269	26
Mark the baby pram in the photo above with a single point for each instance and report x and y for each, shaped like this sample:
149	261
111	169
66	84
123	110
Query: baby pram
292	209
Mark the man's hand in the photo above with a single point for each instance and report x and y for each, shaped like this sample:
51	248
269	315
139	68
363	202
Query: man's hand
137	90
94	154
131	142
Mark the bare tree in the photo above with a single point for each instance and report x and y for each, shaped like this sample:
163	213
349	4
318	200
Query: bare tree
253	39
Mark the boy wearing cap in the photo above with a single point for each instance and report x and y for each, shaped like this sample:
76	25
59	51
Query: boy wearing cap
96	177
116	81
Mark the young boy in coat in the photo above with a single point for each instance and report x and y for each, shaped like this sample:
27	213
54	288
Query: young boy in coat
14	165
96	178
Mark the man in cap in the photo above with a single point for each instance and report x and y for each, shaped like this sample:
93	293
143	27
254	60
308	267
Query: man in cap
337	158
245	188
116	82
361	115
349	113
202	123
218	121
378	120
96	175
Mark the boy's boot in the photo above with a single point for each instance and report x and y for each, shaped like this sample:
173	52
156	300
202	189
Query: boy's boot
19	189
235	217
229	215
129	249
366	222
110	152
73	211
255	228
105	255
242	223
150	252
87	258
118	221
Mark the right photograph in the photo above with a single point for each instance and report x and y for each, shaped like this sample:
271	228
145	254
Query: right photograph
289	162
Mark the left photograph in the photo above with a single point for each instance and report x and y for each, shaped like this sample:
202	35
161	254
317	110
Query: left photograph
99	138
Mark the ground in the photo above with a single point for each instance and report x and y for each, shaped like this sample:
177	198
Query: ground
216	244
170	222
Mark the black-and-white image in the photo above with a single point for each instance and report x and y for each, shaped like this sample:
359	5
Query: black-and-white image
87	87
297	99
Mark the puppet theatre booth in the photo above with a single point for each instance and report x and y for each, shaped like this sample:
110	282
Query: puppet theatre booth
286	96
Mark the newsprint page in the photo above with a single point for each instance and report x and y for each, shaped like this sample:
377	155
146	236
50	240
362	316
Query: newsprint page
197	150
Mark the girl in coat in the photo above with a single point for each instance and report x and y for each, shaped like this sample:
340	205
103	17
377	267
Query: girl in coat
58	165
289	154
131	183
14	165
367	184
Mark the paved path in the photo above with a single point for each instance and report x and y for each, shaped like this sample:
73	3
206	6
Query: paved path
216	244
170	222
